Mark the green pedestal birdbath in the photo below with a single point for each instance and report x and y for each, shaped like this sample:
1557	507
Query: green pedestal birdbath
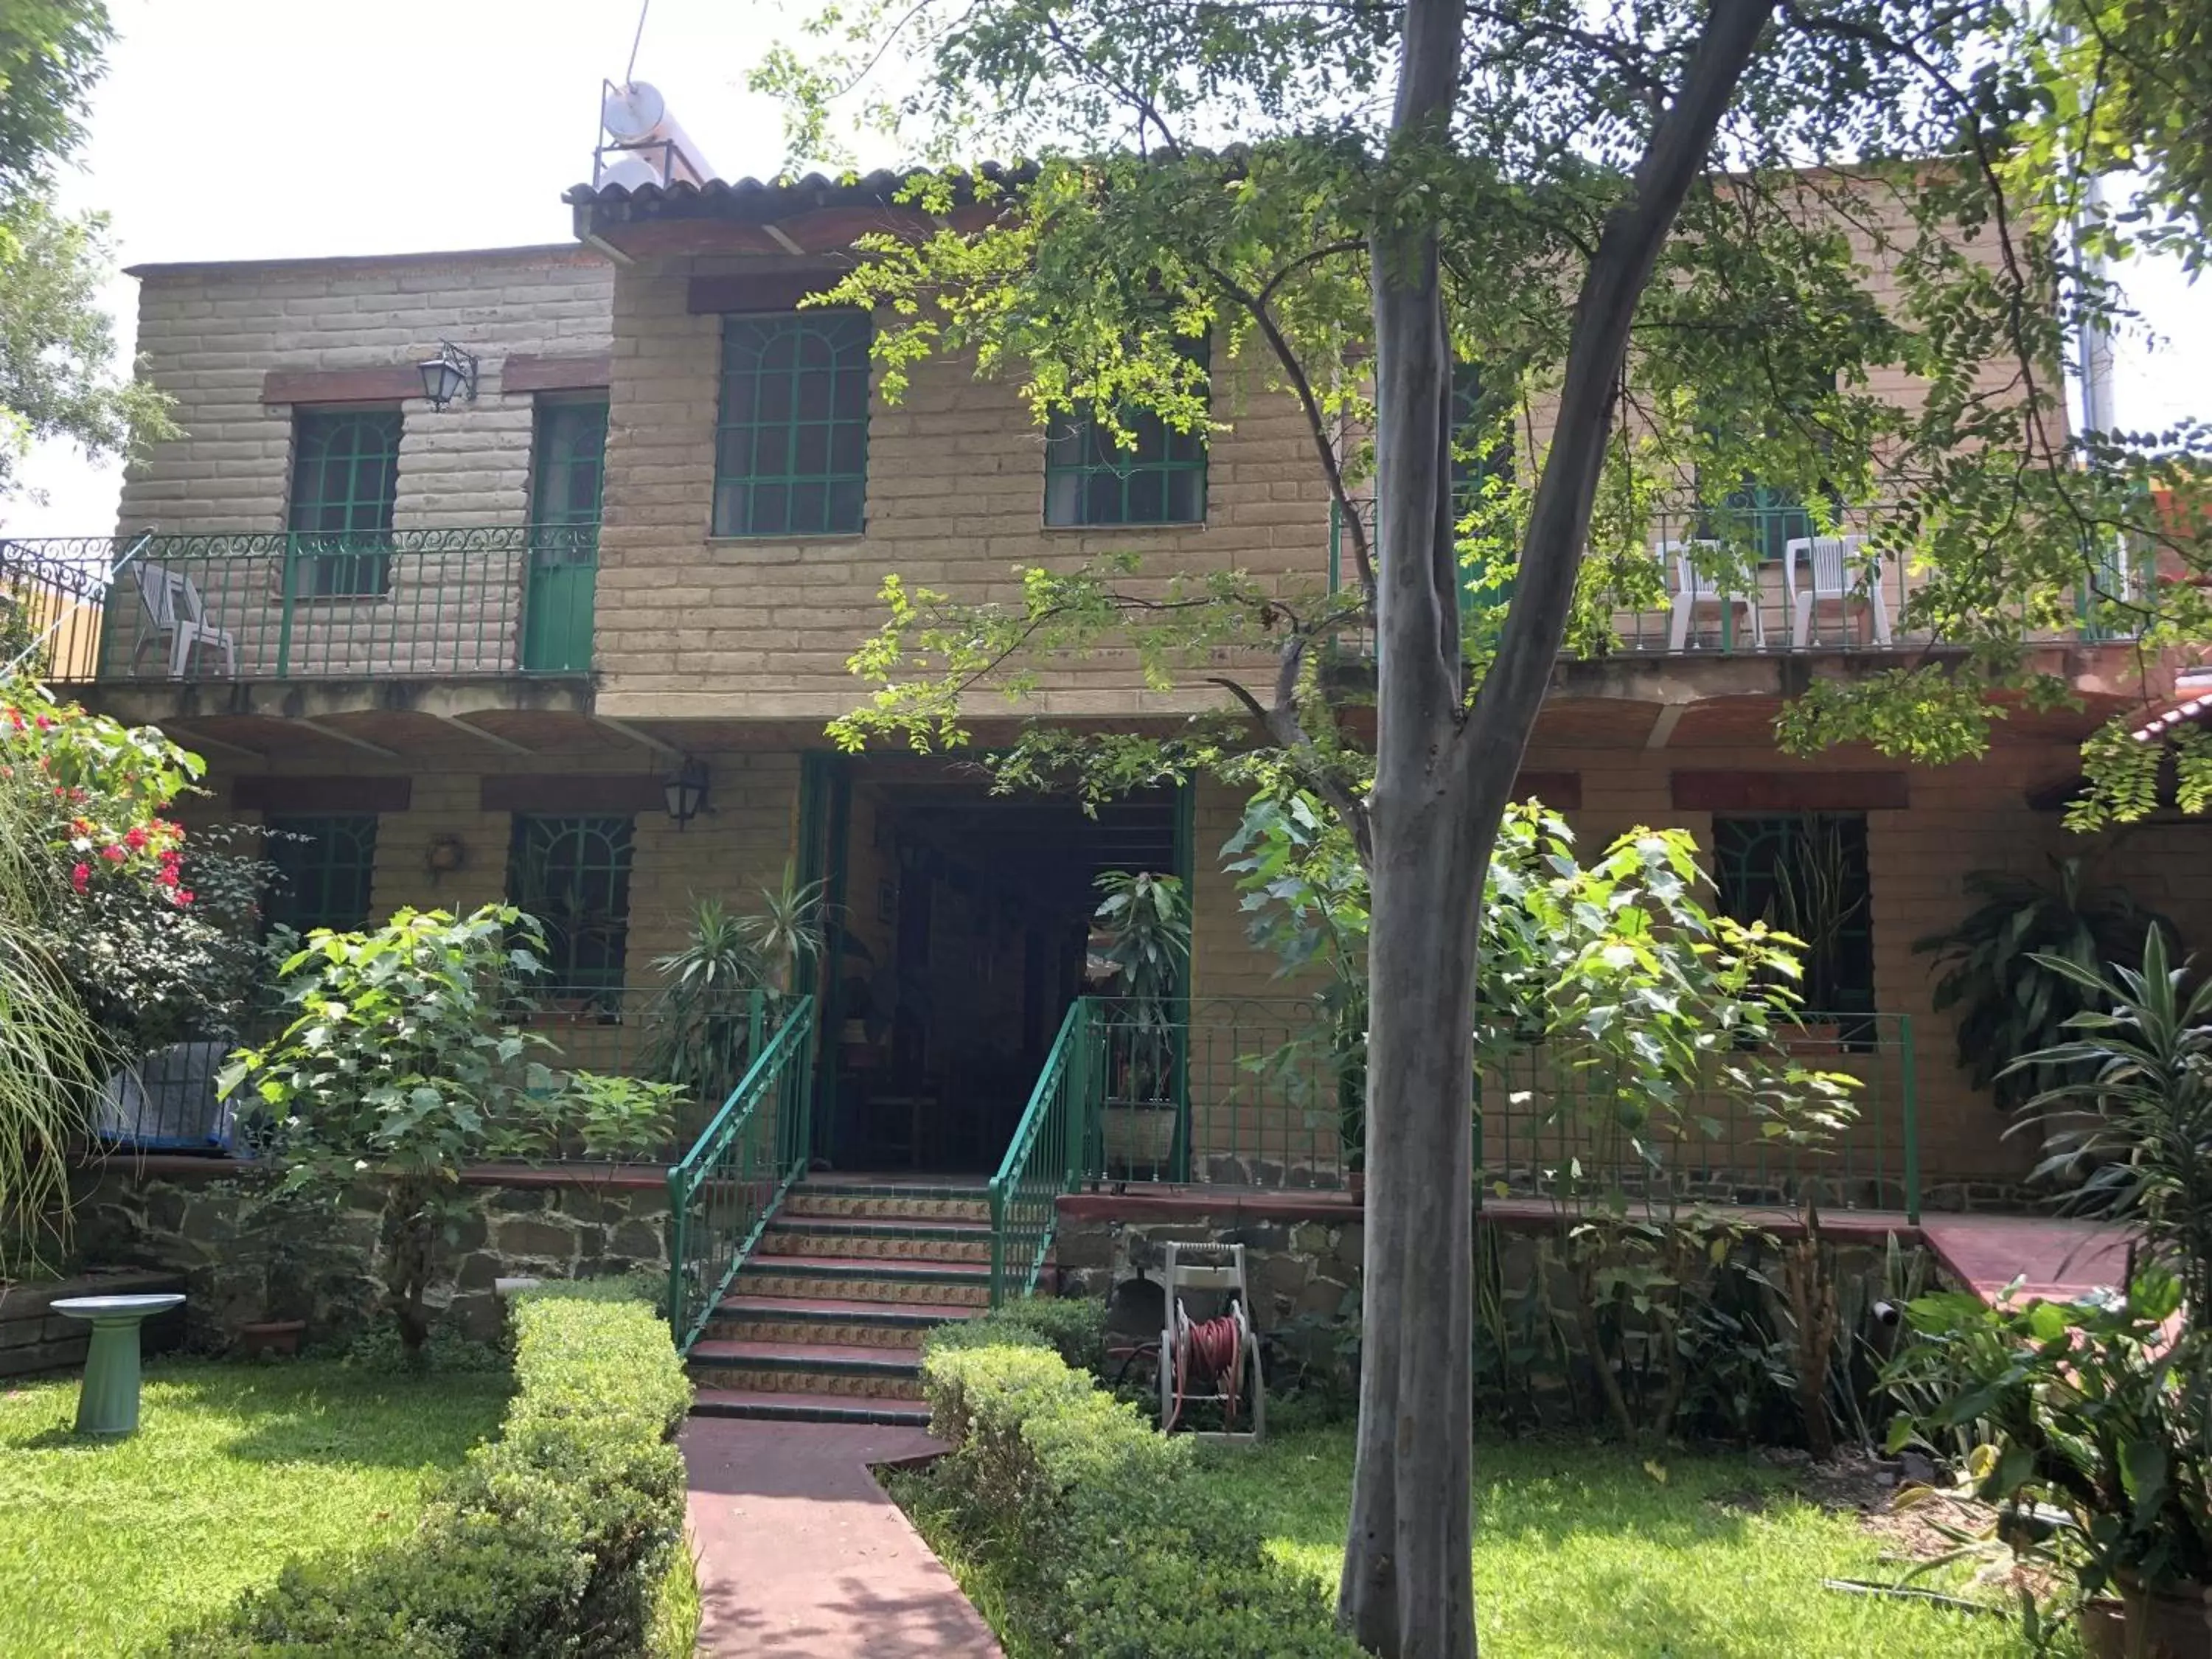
108	1401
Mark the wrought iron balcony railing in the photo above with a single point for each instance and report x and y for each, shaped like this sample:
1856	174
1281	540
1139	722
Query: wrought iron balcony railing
1800	585
291	605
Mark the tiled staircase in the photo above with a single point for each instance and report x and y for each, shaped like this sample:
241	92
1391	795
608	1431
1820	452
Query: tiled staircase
824	1323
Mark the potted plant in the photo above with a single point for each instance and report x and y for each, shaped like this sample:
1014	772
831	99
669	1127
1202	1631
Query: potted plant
2091	1423
1142	935
284	1241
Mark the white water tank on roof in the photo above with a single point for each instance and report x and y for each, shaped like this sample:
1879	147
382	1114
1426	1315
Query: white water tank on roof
637	117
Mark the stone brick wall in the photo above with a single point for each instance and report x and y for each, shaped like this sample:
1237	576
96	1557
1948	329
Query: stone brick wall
35	1338
691	626
210	334
182	1216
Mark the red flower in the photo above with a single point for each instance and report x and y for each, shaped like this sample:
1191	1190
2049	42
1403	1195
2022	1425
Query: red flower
168	878
134	839
44	725
81	877
184	895
114	854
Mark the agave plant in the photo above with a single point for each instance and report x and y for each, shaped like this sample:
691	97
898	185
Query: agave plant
702	1044
1994	969
787	930
1146	927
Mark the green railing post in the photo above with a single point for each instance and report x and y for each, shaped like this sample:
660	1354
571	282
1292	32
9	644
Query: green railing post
289	588
678	1230
997	1242
1909	1091
1075	1115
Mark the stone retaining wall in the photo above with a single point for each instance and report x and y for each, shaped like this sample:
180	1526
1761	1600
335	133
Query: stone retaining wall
35	1338
182	1215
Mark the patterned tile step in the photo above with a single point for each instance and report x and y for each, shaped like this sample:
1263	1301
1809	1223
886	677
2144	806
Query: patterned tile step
859	1324
886	1203
962	1284
893	1241
806	1408
769	1378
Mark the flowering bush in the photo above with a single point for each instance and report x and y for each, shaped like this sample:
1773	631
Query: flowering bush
97	789
121	902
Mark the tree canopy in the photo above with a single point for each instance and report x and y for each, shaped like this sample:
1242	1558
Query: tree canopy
1548	287
57	344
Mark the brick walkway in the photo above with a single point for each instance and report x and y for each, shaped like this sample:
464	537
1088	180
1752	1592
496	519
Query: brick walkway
801	1555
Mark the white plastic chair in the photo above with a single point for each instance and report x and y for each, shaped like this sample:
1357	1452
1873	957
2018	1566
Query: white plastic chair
1840	570
1693	590
174	608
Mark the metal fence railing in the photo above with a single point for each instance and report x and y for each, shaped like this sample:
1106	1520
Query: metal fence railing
49	612
725	1190
1271	1095
287	605
1545	1128
1045	1156
1766	575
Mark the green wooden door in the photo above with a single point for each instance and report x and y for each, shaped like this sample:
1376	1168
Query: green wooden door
564	542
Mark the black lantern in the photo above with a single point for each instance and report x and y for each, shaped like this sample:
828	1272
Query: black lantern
452	373
686	791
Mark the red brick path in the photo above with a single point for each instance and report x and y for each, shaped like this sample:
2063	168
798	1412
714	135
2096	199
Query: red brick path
801	1554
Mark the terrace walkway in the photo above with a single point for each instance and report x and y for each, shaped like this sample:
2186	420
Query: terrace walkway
803	1556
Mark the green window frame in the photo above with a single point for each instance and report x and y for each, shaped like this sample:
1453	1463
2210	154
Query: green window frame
345	484
573	875
1090	479
327	866
1805	874
790	440
568	478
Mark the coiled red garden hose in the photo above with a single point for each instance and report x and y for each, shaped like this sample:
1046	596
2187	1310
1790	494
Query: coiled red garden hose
1214	1348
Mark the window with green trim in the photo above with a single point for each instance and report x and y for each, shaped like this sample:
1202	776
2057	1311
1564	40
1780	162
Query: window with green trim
1770	517
568	476
1805	874
1089	479
791	445
345	479
327	864
573	875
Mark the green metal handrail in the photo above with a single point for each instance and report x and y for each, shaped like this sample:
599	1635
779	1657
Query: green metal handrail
319	604
723	1193
1046	1156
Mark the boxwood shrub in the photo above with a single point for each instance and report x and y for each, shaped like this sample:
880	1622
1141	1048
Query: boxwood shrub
1072	1327
1108	1540
552	1543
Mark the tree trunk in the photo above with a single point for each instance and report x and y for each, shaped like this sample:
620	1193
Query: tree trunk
1442	776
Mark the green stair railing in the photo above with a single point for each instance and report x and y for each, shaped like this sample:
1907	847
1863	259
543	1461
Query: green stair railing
723	1193
1047	1156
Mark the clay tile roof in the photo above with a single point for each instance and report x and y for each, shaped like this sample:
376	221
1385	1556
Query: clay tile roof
760	201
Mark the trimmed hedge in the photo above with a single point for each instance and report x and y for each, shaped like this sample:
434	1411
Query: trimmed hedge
1112	1543
1072	1327
552	1543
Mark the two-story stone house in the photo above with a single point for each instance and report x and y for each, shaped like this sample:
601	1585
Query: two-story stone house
571	639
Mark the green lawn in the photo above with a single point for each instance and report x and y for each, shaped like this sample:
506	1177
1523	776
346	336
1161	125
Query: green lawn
109	1547
1581	1552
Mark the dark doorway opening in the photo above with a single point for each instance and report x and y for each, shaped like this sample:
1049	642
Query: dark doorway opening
960	945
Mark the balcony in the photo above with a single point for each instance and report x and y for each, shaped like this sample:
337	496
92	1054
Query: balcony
1804	590
404	605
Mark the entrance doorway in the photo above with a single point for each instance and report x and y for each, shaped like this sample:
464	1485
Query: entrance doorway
957	942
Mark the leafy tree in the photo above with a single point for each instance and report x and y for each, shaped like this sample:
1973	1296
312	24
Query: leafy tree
1652	228
401	1067
56	345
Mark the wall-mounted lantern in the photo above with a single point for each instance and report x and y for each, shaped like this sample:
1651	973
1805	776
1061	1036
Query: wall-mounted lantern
452	373
686	791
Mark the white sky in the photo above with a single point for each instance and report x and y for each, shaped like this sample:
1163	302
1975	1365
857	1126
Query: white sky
258	129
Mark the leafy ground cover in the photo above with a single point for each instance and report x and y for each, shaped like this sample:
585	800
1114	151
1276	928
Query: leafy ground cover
1589	1552
235	1467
